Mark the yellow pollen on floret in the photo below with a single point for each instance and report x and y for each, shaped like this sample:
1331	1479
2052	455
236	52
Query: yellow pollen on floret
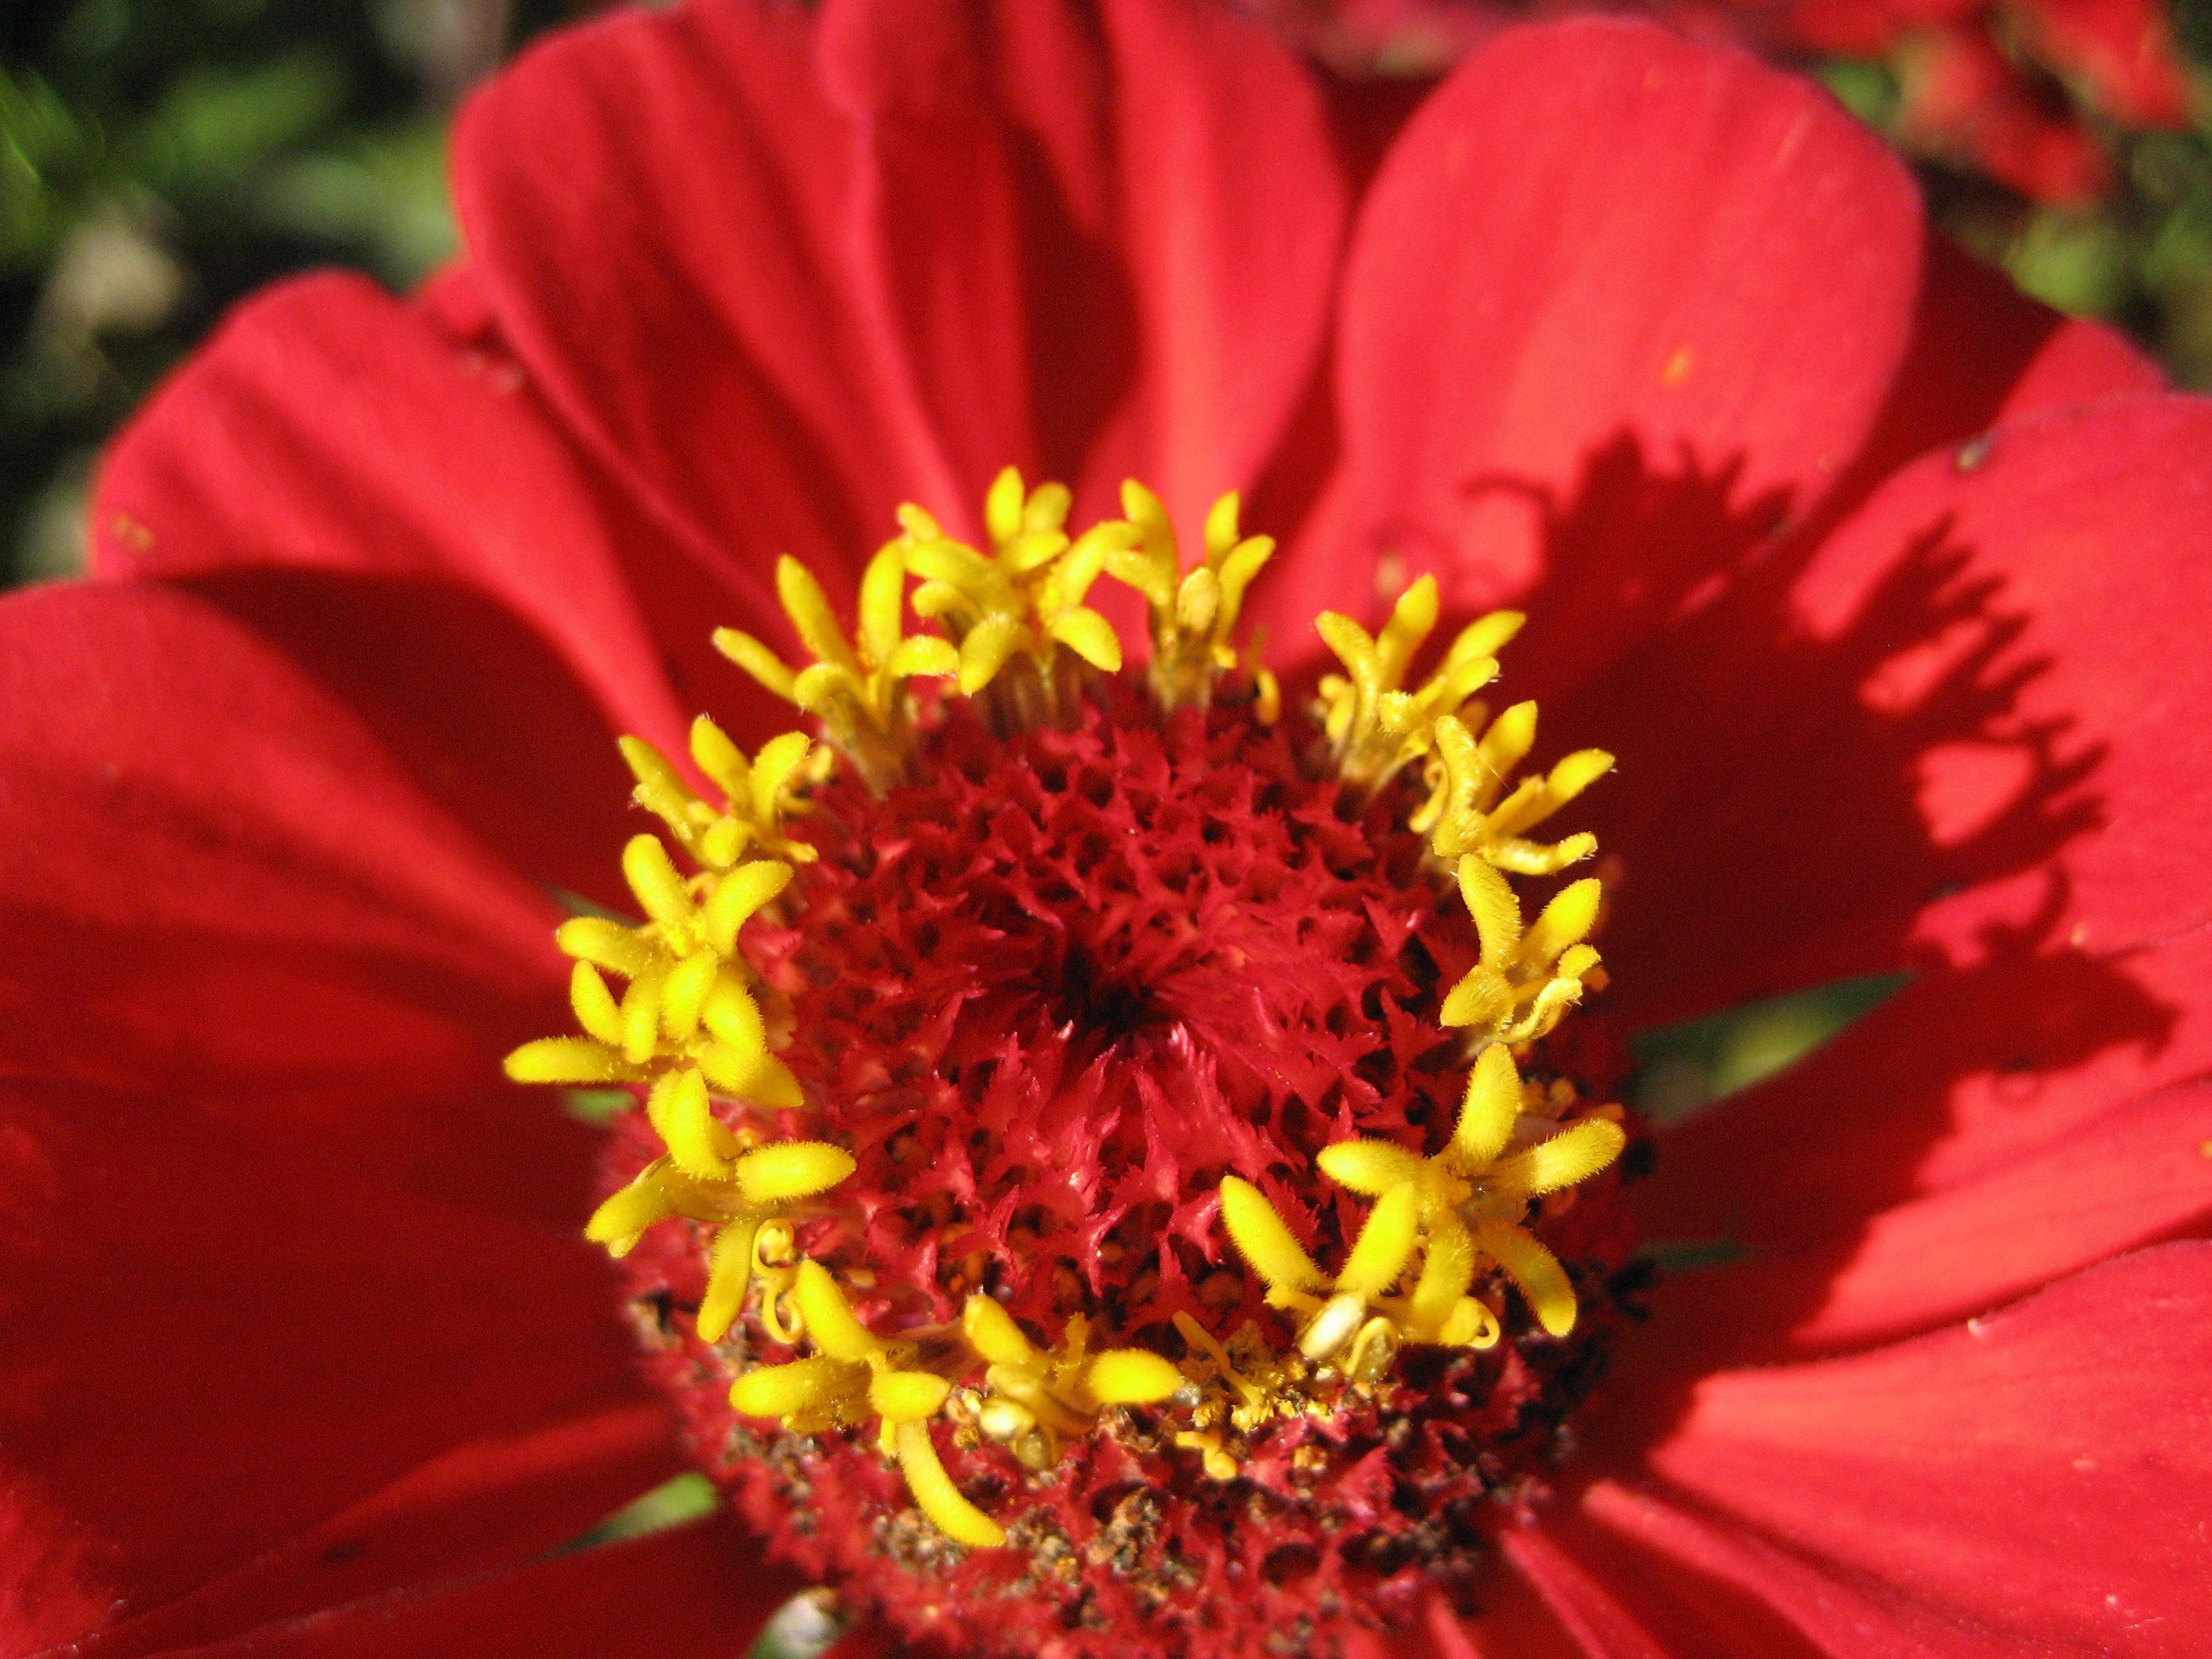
1033	1399
671	1008
1242	1385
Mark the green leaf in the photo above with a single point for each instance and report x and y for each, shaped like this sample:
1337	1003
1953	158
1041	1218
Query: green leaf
1682	1069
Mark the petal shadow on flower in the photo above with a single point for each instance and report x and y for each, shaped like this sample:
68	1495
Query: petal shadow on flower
472	701
1835	763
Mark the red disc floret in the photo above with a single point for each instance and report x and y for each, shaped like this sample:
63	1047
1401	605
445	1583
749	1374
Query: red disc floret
1047	992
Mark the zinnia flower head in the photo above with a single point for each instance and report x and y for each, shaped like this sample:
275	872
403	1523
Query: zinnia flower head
1035	1011
1118	1020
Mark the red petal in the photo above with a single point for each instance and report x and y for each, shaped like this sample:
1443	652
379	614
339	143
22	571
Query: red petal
326	425
504	1499
1648	545
658	203
1718	1589
210	865
2007	1105
1983	353
216	1341
1875	1200
1989	679
2077	362
1629	1600
2137	1173
1603	1627
2039	1473
868	1641
880	260
469	700
1231	216
1514	1624
397	513
1598	237
700	1592
680	596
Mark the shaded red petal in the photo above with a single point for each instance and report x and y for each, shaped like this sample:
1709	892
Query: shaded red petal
700	1592
217	1339
1998	787
327	425
842	254
499	1500
1597	233
210	864
1649	544
866	1641
1713	1587
1513	1623
2135	1174
397	511
1625	1601
1919	1171
1603	1628
1982	353
469	700
2039	1473
1988	680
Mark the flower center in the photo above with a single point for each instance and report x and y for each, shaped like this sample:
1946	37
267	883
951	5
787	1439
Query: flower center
1131	1193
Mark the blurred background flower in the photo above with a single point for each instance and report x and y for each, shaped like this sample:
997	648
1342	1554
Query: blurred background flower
160	159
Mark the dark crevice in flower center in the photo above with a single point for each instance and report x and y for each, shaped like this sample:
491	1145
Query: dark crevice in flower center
1096	1003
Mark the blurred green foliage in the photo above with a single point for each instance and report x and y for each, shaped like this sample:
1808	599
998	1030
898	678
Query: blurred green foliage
160	159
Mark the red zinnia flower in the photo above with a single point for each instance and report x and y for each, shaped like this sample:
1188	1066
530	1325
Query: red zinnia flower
968	1045
2013	89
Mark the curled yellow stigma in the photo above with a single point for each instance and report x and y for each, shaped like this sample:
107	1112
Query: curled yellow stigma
1025	598
1436	1221
852	1378
1193	613
670	1008
745	1215
1464	815
1528	976
856	686
1375	725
